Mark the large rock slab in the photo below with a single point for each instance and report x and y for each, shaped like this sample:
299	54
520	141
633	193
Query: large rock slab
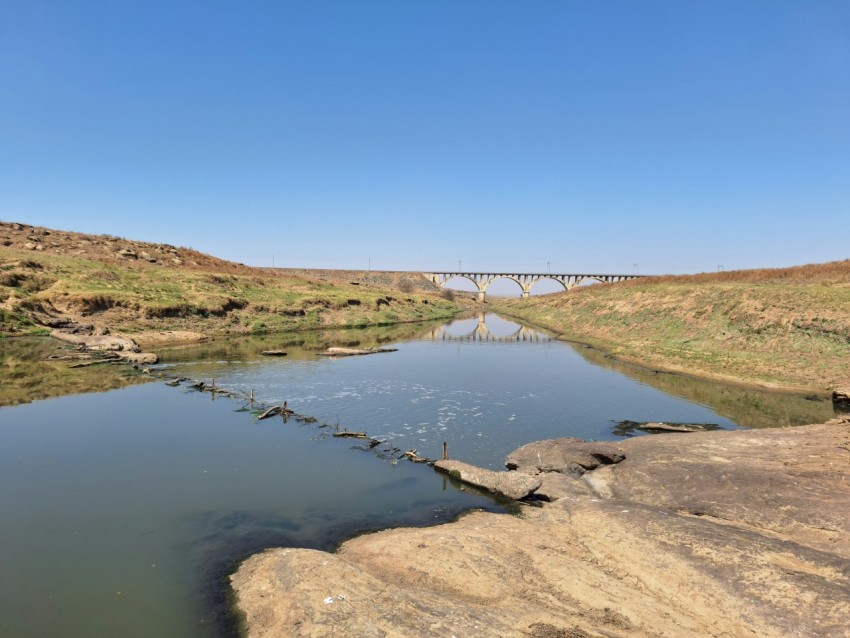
509	484
790	482
715	534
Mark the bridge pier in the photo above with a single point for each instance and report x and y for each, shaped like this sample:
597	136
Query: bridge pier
481	296
525	294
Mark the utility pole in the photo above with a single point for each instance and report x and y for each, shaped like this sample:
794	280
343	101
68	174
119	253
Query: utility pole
635	268
458	266
547	267
370	264
272	261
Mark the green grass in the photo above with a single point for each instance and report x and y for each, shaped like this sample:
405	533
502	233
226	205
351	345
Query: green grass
143	298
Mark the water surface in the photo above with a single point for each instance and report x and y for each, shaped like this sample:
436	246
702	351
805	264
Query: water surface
485	386
122	512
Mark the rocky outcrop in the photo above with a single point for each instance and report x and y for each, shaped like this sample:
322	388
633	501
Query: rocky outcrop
512	485
124	347
97	342
567	456
706	534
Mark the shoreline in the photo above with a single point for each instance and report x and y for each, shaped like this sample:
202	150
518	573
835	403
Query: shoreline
755	536
736	381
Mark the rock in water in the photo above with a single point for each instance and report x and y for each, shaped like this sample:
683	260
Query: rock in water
841	399
513	485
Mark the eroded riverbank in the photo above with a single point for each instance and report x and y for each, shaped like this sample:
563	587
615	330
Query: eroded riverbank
707	534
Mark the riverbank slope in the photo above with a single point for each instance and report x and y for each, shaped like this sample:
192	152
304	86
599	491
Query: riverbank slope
734	533
160	294
785	328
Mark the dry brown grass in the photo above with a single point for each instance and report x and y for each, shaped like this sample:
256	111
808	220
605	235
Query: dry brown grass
787	327
833	272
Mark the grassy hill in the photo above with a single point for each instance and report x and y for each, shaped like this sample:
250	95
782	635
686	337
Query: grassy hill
786	328
156	292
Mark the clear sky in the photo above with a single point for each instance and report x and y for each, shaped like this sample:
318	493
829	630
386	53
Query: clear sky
594	135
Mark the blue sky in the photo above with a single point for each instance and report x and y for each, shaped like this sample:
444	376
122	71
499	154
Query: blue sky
677	135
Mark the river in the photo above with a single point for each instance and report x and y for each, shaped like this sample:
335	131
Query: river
123	511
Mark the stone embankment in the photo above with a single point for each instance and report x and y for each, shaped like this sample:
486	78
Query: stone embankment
743	533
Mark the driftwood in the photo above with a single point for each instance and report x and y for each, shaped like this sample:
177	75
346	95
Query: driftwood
347	434
272	411
274	353
353	352
413	456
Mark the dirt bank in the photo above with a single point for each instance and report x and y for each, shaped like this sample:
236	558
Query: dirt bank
780	329
708	534
160	295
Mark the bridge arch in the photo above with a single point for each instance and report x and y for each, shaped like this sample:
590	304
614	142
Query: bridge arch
513	278
547	277
460	276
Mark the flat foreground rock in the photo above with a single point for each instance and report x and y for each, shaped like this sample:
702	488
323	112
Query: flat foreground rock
707	534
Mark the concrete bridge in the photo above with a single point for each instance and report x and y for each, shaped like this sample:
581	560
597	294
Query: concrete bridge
525	281
482	333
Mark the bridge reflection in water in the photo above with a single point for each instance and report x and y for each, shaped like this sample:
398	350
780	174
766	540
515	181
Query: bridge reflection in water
481	332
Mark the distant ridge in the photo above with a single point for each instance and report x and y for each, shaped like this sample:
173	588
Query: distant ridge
832	272
111	249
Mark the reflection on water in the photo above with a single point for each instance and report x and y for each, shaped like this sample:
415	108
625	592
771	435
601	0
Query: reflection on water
27	375
299	345
748	407
484	386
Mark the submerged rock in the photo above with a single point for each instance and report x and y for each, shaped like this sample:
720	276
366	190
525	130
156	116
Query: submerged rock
626	427
353	352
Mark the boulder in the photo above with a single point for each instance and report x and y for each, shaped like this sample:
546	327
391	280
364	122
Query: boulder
567	455
141	358
514	485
